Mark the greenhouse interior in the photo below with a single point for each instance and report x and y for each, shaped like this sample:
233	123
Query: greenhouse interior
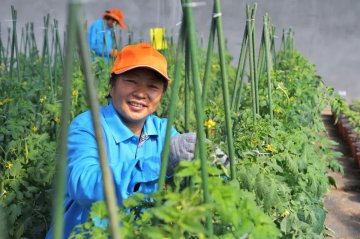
179	119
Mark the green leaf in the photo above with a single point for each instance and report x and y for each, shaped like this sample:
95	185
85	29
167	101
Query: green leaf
332	181
285	225
134	200
98	210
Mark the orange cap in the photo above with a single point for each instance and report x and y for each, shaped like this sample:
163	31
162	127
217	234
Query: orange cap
118	15
140	55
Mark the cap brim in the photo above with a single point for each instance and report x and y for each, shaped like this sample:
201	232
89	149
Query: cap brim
119	21
143	66
122	25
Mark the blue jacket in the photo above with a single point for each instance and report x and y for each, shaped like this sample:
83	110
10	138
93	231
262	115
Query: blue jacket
96	35
131	162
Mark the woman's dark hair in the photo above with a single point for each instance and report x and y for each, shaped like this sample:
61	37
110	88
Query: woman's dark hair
107	17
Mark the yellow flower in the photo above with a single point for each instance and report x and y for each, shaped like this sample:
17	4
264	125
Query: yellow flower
277	110
75	93
209	124
216	67
9	165
42	99
285	213
254	142
57	120
270	148
34	129
5	101
37	60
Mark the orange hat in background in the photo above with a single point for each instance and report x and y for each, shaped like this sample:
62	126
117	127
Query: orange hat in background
118	15
140	55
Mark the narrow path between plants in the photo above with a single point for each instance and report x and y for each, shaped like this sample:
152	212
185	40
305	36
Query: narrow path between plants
343	202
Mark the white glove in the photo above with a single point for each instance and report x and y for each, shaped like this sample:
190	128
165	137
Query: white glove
182	147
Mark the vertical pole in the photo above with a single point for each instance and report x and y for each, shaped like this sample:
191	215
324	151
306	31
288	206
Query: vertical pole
273	51
256	75
191	37
108	179
251	60
187	86
242	77
230	141
235	94
58	214
1	49
208	60
172	107
268	64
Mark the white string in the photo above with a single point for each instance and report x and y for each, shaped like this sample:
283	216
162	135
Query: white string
218	14
259	153
194	4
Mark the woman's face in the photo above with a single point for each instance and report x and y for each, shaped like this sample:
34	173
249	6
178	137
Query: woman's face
111	22
136	94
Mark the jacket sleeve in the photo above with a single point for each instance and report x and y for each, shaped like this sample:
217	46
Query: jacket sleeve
96	39
84	178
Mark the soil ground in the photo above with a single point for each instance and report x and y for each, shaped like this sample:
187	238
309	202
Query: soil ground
343	202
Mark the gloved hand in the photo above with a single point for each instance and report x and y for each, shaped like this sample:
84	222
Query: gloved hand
182	147
219	156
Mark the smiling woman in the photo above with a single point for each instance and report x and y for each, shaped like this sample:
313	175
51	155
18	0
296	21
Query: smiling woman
134	137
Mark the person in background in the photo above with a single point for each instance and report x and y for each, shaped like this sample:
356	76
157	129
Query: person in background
100	33
134	137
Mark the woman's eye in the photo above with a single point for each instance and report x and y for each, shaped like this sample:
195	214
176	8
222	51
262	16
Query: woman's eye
131	81
155	87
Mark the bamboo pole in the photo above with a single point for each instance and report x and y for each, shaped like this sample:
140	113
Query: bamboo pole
187	86
273	50
14	46
251	61
242	76
209	53
1	49
172	107
225	87
261	57
108	179
34	48
58	215
268	64
191	37
7	51
240	69
256	75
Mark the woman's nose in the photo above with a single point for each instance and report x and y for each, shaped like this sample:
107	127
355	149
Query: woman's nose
140	92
